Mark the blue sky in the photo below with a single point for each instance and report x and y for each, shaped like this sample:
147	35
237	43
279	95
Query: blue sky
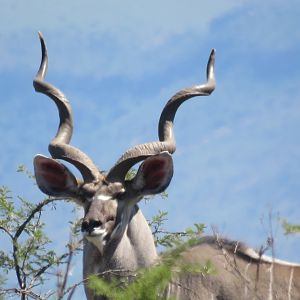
238	151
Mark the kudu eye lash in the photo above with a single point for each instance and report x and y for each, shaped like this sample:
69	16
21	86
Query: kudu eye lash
111	218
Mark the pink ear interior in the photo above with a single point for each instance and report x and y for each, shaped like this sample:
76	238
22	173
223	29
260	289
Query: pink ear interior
52	173
52	177
155	171
154	174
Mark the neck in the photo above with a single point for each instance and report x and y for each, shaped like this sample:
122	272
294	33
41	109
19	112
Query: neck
134	250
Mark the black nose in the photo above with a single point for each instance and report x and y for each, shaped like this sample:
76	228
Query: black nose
90	225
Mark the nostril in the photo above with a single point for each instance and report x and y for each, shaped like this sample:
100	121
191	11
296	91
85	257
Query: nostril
90	225
95	223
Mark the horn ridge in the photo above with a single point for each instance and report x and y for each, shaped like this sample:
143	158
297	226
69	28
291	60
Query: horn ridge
59	147
166	135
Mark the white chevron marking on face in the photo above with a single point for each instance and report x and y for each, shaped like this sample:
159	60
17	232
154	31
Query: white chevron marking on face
104	197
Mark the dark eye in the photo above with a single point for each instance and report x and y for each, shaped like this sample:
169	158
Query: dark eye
111	218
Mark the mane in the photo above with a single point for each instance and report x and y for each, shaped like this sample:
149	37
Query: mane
243	250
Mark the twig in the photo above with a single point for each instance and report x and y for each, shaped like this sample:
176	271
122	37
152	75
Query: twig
178	233
62	287
231	262
33	212
30	246
16	264
192	291
72	288
22	292
49	265
22	277
7	232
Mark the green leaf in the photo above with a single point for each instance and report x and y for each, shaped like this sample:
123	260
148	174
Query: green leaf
290	228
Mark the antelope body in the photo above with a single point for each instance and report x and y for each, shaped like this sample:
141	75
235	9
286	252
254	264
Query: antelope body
241	274
116	234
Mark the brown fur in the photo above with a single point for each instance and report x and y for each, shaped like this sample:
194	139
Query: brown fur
237	277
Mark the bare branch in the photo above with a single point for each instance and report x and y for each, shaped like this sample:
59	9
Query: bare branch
58	260
62	286
118	272
16	264
7	232
19	231
33	212
178	233
22	292
230	261
30	246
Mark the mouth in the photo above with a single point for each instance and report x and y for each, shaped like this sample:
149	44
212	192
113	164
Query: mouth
96	232
98	237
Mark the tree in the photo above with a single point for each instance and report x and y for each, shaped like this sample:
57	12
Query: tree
29	255
290	228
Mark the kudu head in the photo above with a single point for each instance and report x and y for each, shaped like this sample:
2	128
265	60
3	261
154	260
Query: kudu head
108	199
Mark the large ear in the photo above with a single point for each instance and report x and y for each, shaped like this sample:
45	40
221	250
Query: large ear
154	174
53	178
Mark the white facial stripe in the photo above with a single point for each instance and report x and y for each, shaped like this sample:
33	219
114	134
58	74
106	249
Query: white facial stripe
104	197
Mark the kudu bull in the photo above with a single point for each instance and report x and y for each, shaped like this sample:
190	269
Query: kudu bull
116	234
